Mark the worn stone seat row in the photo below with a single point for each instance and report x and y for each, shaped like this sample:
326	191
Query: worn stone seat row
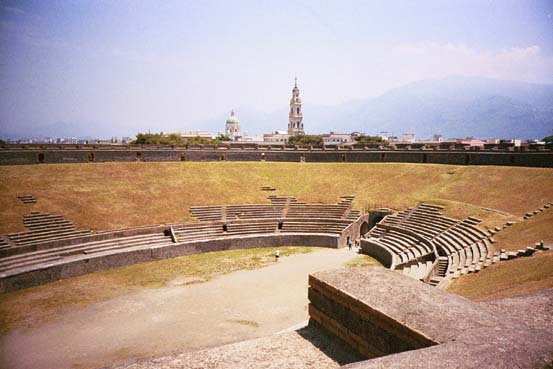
44	227
280	207
13	264
206	230
421	234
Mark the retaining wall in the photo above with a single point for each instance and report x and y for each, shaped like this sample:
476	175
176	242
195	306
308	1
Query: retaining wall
17	155
76	265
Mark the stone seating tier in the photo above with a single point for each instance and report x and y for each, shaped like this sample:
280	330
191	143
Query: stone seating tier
280	207
466	246
43	256
32	238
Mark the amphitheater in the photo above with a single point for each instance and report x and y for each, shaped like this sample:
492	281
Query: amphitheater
459	243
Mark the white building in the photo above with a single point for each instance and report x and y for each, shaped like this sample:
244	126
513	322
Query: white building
408	137
276	137
232	127
337	138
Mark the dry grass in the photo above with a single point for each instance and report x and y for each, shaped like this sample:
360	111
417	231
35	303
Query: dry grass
527	233
113	195
103	196
508	278
34	306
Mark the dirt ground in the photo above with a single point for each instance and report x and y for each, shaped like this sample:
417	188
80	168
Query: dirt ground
151	322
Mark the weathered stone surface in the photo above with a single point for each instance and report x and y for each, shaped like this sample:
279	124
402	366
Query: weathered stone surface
416	305
470	335
302	349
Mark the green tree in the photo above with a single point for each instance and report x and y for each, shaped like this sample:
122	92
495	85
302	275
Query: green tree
222	137
548	139
370	140
306	140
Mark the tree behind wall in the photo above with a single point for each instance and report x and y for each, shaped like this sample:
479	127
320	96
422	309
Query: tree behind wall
306	140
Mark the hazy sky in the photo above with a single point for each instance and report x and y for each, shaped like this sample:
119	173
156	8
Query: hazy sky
169	64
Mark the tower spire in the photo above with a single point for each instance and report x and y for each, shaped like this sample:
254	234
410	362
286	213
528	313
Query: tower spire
295	125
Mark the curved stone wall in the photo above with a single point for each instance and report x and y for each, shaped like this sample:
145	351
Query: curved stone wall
83	264
22	154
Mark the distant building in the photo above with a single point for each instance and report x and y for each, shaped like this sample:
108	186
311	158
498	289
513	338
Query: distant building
276	137
295	118
384	135
408	137
192	134
337	138
232	127
437	138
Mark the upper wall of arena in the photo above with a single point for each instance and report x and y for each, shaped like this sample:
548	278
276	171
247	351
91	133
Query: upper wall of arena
55	154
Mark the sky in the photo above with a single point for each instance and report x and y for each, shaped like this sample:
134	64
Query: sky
167	65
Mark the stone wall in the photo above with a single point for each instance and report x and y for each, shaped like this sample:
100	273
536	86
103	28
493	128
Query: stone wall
379	252
76	265
398	322
18	154
367	330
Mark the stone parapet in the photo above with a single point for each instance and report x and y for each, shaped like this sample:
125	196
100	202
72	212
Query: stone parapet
28	154
409	324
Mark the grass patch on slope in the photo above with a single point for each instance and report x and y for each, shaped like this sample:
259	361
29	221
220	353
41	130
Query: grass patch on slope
507	278
103	196
527	232
37	305
361	261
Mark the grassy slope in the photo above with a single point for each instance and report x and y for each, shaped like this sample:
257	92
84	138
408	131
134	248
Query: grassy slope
34	306
362	261
113	195
508	278
528	232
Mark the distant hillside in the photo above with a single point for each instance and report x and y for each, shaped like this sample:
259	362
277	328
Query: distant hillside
454	107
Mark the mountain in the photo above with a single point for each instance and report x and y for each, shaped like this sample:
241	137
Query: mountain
454	107
461	107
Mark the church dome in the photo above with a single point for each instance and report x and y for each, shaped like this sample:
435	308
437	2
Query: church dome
232	119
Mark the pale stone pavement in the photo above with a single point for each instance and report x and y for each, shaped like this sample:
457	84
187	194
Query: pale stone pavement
153	322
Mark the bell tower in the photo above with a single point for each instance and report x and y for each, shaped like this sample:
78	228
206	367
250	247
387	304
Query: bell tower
295	125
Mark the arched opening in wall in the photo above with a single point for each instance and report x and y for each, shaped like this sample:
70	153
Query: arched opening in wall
424	158
364	228
343	158
440	250
225	228
223	157
182	157
90	157
279	226
375	217
383	156
262	156
40	158
302	159
138	156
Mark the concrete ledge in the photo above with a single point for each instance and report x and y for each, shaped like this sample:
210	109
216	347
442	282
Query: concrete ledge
377	308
